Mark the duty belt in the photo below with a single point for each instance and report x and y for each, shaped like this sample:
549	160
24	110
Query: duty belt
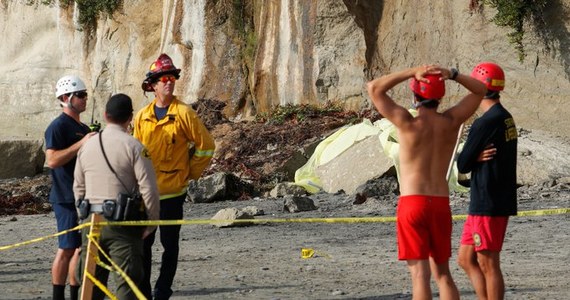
96	208
84	208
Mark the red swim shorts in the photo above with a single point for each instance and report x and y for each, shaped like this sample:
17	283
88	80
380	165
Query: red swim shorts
485	232
424	228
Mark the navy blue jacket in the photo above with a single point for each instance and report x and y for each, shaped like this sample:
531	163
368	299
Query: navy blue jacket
493	183
63	132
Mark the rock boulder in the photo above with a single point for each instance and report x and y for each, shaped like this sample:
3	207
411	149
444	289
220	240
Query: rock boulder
21	157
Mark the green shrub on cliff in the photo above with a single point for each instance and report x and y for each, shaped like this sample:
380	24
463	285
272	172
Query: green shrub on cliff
514	14
89	10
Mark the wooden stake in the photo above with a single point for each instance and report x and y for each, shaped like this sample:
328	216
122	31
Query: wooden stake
90	257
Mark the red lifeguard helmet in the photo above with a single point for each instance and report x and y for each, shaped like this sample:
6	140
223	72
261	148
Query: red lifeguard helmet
435	89
491	75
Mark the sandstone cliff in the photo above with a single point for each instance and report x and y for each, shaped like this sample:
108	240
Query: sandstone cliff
256	54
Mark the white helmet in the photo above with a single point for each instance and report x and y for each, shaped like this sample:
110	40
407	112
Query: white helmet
69	84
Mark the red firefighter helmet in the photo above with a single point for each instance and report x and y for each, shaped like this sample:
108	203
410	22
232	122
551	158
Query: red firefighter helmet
162	66
491	75
435	89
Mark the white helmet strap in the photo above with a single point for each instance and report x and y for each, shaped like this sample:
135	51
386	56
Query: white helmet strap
68	104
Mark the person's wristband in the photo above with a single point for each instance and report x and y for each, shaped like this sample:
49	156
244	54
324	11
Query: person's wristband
454	72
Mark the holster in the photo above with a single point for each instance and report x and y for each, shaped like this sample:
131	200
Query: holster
125	208
110	210
136	209
83	208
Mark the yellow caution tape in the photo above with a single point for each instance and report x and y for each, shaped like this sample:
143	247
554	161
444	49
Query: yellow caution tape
542	212
255	221
114	267
44	237
101	286
529	213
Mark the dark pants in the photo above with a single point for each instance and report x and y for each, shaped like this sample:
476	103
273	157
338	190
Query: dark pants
170	209
124	245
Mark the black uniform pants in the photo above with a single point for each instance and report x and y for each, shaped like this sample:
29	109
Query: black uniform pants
170	209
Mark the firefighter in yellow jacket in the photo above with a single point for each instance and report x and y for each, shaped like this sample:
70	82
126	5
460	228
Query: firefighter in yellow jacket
168	127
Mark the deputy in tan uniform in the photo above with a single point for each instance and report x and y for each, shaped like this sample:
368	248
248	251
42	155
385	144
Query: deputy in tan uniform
95	182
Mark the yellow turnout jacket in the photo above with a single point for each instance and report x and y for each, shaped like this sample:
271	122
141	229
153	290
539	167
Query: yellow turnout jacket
168	142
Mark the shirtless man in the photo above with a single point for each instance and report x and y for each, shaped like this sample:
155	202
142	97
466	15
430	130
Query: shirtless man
426	146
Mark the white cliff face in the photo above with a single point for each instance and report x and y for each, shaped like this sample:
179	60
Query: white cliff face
303	52
29	55
291	60
285	53
288	63
193	33
339	58
42	43
305	57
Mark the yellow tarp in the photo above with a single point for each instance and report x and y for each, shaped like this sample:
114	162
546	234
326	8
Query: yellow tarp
344	138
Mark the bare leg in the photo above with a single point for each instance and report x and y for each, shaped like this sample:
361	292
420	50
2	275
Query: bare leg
467	259
72	268
442	276
60	267
490	264
420	272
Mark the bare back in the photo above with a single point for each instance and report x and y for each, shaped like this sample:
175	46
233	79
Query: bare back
427	141
426	146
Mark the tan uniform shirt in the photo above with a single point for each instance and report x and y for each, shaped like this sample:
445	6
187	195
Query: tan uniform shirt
94	180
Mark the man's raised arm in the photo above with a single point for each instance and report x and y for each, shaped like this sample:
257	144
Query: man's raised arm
385	105
468	105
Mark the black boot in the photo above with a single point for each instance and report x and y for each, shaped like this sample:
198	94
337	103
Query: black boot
58	292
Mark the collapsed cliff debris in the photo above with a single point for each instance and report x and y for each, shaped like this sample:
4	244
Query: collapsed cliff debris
257	150
252	150
26	196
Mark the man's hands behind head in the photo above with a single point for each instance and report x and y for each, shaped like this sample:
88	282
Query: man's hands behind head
422	71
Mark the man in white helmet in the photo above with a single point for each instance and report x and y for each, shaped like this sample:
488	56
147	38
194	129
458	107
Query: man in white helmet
64	136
